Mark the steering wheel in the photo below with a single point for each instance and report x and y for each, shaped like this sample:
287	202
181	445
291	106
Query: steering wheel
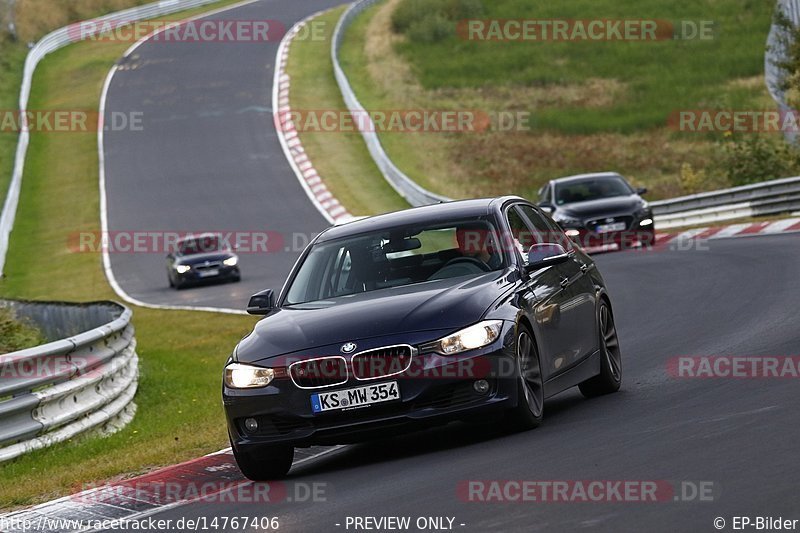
469	260
460	266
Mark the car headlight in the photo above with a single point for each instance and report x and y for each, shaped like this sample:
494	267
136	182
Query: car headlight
240	376
471	338
182	269
567	221
231	261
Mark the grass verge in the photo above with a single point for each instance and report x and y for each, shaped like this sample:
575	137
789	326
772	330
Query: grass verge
594	105
12	59
179	415
341	158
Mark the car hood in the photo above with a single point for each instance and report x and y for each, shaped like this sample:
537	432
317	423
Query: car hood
434	305
603	206
202	258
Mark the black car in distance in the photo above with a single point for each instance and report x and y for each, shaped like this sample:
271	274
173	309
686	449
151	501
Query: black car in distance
600	210
202	258
454	311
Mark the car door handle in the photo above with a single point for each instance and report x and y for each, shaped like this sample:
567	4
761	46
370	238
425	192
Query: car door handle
584	267
564	283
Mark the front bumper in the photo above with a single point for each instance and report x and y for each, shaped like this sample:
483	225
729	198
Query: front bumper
625	238
223	273
435	390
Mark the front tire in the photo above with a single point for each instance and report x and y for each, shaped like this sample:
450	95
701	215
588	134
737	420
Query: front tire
265	464
529	411
610	377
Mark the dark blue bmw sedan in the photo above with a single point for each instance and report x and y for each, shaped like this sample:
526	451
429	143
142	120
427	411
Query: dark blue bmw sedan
452	311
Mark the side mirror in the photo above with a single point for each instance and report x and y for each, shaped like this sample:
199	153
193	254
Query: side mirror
261	303
641	190
545	254
547	207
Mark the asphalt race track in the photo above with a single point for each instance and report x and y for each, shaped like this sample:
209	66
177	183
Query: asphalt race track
736	298
206	158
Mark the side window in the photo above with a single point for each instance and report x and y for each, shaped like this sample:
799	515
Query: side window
548	231
521	233
544	194
538	223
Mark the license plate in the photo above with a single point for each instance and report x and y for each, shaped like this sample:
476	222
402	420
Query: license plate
208	273
605	228
355	397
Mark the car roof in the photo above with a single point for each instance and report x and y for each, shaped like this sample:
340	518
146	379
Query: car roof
428	213
590	175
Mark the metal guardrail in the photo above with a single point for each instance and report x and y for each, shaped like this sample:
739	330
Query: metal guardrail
405	186
85	380
49	43
767	198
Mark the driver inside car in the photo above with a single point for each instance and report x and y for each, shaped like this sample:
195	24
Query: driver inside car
478	243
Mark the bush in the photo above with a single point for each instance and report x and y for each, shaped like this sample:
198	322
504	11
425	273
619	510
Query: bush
691	180
757	159
16	334
432	20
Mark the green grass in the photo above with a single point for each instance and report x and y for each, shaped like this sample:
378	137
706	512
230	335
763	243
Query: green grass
593	105
341	158
181	353
662	76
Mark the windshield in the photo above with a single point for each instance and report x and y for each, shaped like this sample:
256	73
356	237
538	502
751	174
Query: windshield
200	245
396	257
591	189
